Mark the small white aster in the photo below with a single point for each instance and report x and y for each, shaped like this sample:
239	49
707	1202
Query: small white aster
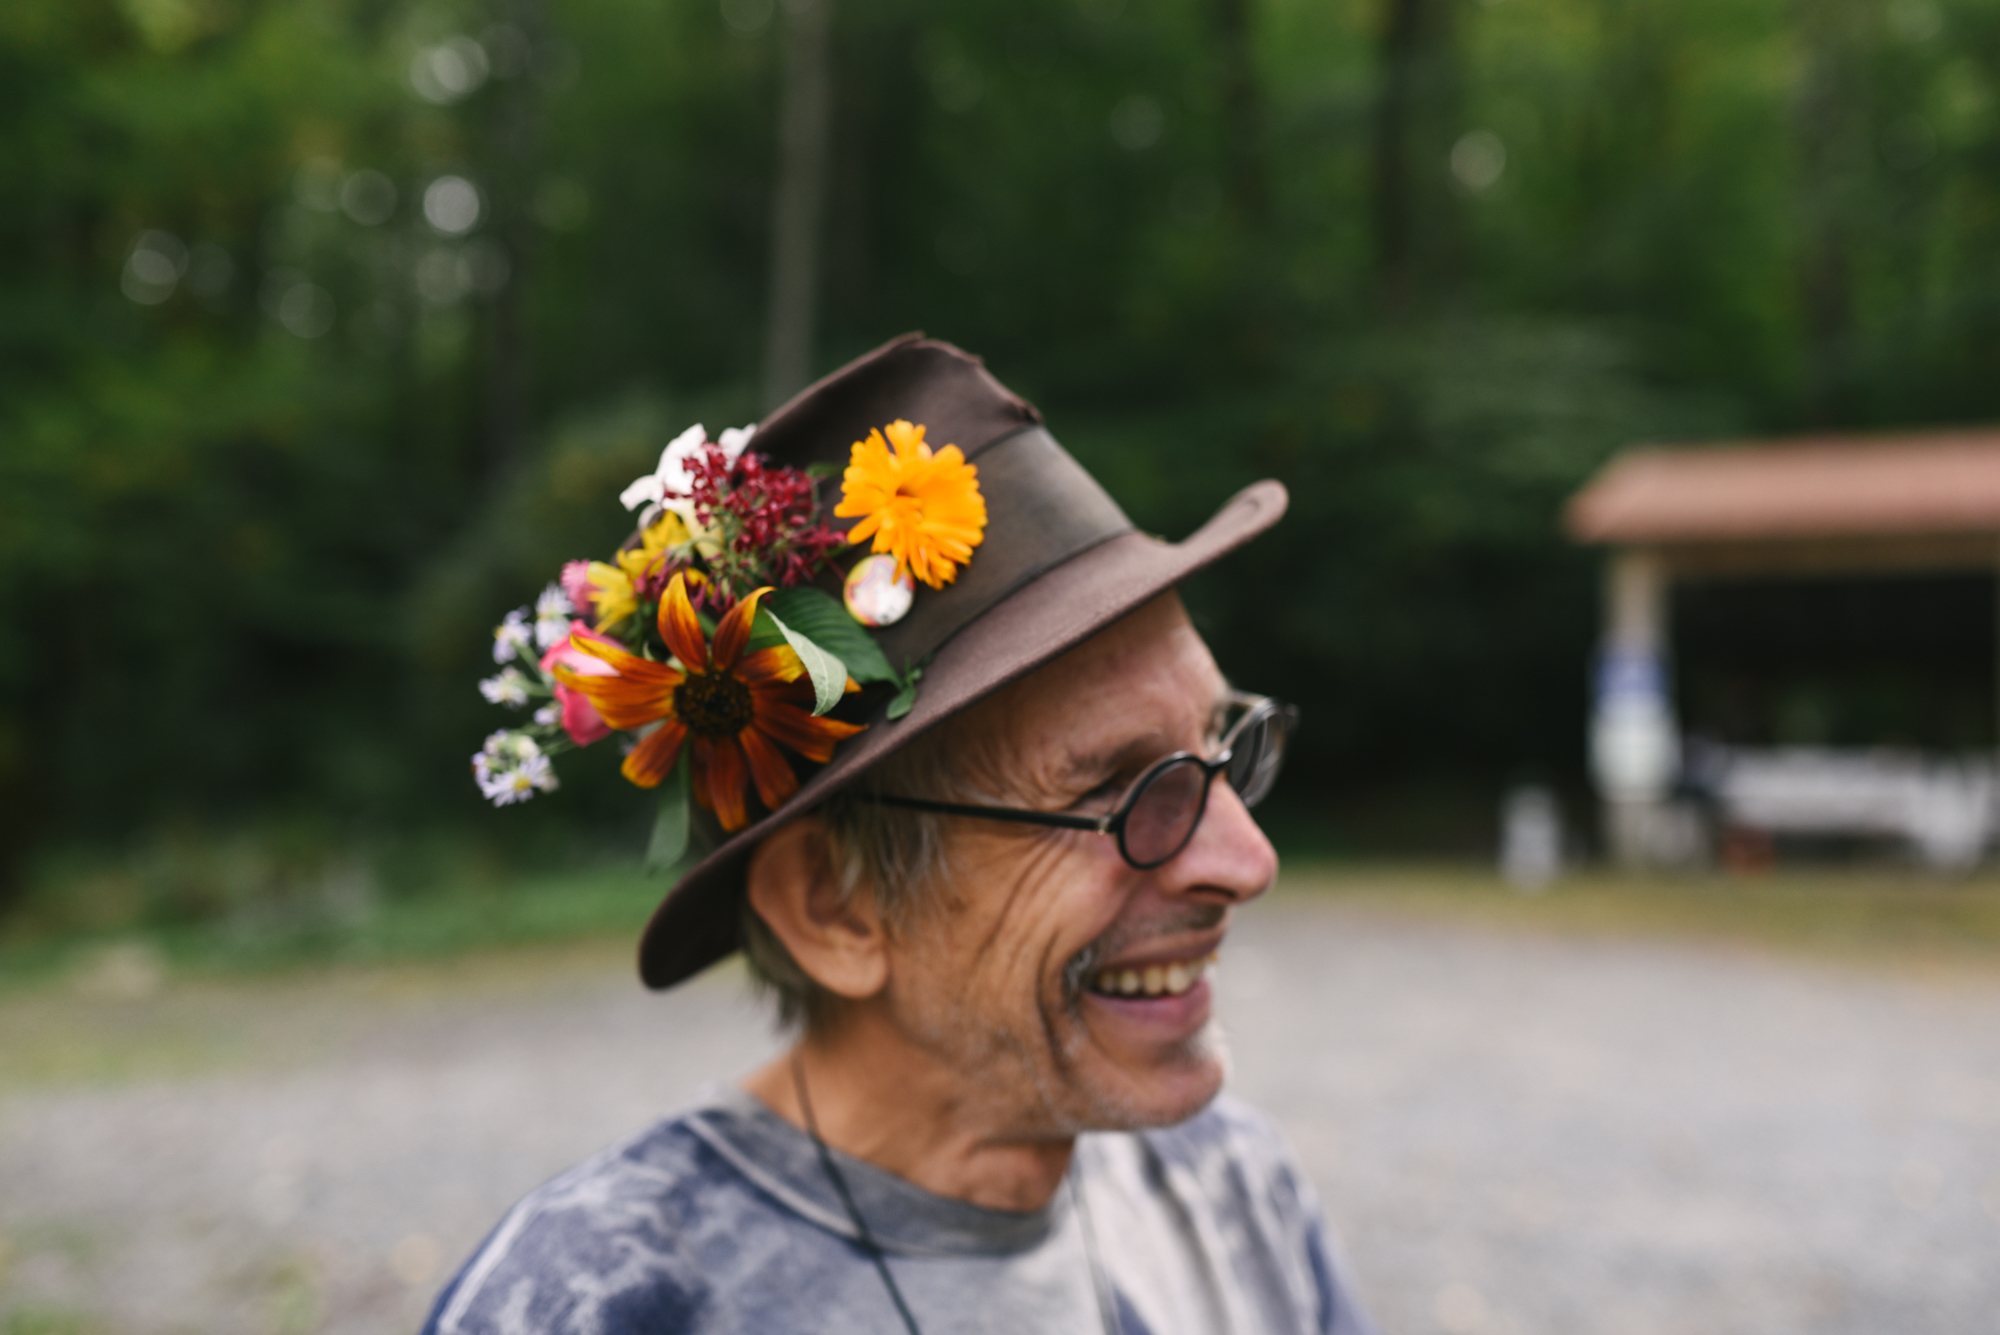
504	787
512	637
552	614
539	773
508	688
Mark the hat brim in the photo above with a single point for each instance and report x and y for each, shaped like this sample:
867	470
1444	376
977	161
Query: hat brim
699	921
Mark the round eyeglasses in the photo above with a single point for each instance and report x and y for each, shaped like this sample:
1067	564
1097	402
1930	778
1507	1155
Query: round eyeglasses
1163	809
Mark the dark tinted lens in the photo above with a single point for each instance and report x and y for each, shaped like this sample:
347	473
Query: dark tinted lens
1255	757
1165	813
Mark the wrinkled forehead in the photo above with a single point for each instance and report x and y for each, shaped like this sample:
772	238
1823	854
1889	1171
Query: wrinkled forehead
1145	684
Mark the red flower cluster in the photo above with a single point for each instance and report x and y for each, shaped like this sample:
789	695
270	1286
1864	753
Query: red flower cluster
768	515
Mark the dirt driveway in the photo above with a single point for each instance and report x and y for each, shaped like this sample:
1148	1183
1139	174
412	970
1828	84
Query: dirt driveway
1515	1131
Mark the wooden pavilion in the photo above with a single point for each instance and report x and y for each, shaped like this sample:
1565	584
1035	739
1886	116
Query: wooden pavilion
1906	503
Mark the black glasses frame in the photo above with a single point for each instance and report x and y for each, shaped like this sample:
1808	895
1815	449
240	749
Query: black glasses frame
1257	709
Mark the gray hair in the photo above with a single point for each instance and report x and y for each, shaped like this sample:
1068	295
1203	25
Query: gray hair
898	855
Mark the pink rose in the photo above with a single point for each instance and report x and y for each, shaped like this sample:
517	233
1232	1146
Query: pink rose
580	718
575	581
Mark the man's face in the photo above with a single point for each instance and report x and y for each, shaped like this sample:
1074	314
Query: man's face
1006	988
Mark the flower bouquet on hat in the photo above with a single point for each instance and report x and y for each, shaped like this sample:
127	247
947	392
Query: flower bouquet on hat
712	639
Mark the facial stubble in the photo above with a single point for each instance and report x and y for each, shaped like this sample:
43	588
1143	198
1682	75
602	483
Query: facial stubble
1070	1097
1066	1029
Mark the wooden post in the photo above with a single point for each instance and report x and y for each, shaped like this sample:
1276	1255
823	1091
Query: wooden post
1635	602
800	199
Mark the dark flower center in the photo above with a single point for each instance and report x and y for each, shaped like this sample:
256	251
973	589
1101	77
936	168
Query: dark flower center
714	705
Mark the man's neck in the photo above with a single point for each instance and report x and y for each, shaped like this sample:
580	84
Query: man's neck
888	1105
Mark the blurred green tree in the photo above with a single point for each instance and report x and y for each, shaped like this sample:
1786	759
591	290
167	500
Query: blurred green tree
328	327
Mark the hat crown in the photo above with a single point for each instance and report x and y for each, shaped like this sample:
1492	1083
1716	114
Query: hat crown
915	378
1043	507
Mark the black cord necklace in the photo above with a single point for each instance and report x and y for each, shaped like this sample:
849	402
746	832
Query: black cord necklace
1098	1287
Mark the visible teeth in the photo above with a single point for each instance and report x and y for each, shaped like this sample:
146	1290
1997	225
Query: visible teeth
1155	980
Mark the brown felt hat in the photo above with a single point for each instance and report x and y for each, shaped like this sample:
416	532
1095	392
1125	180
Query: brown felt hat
1059	561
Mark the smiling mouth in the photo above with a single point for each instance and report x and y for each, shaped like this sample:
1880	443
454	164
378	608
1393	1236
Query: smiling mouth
1154	980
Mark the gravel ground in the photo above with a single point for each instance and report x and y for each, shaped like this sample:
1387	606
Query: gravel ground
1514	1131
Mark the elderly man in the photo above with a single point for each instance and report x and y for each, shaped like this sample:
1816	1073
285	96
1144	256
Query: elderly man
988	921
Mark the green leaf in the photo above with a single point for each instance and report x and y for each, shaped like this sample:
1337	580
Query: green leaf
905	699
826	468
670	826
819	616
764	632
828	673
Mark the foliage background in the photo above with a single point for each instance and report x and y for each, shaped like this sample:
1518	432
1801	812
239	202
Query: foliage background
1428	261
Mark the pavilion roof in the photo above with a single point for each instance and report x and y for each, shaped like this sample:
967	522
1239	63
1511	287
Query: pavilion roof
1807	488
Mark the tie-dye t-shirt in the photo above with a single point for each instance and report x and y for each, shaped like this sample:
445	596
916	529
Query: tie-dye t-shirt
722	1221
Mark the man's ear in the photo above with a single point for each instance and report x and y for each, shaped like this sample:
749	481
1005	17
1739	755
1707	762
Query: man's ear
792	887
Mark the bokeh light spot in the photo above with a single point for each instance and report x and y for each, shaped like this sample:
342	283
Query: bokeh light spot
153	267
453	69
451	204
1137	123
441	279
1478	160
306	310
368	197
748	17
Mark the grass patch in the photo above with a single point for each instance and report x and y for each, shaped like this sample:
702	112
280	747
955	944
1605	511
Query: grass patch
49	1321
1877	913
533	910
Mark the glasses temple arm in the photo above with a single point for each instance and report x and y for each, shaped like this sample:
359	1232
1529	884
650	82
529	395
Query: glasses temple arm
1062	819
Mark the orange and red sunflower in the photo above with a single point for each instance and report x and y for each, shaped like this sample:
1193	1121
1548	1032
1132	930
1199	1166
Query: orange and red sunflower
737	708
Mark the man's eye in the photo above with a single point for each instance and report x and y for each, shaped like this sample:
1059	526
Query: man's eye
1103	795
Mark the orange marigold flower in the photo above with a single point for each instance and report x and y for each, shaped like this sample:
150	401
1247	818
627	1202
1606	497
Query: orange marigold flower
738	708
923	508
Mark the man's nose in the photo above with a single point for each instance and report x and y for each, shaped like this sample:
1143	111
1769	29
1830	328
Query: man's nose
1229	858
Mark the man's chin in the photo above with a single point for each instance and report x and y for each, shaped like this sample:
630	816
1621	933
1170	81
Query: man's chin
1160	1088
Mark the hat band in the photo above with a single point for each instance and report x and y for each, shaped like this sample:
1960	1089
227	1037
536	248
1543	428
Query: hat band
1042	509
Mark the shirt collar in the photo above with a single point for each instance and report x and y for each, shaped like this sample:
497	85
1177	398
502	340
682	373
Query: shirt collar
782	1160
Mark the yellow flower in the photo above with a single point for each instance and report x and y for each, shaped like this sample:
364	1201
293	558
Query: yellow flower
612	596
615	594
923	508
